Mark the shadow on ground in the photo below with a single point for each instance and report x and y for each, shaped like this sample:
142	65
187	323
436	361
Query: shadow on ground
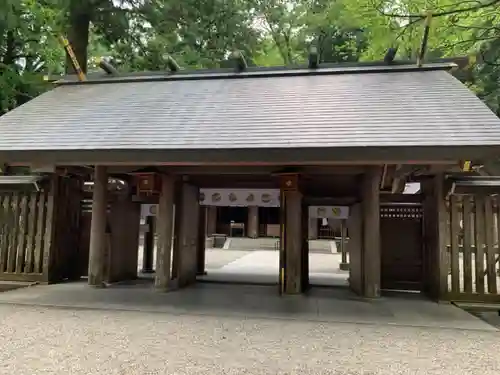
6	286
250	301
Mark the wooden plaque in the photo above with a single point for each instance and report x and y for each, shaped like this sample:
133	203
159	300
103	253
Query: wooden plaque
148	183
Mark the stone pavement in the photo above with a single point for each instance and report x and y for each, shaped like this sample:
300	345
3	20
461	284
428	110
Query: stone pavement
220	329
262	267
250	301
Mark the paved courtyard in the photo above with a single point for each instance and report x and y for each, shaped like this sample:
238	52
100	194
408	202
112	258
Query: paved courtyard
262	266
222	329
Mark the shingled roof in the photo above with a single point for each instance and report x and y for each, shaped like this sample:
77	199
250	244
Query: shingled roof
324	109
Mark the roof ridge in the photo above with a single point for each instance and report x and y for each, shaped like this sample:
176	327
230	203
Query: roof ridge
326	69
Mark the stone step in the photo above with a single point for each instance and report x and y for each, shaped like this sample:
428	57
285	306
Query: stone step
238	243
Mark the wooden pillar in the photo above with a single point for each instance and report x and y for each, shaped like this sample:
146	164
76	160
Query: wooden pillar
164	227
187	214
313	228
124	221
253	222
344	264
371	232
149	245
202	240
355	248
292	250
293	242
211	220
305	246
435	221
98	238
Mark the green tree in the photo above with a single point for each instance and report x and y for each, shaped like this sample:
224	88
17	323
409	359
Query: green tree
26	53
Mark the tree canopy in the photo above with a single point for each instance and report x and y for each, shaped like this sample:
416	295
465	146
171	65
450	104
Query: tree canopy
137	34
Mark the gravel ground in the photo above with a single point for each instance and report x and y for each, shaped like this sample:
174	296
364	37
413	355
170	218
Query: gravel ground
36	340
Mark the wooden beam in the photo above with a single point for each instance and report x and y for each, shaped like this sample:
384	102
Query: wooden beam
187	214
201	242
172	65
165	226
108	67
98	236
293	242
250	170
371	233
292	162
148	245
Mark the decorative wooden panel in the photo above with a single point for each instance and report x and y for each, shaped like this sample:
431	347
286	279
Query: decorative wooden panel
401	247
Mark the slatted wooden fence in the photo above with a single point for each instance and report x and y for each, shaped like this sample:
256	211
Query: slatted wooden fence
25	225
473	240
40	232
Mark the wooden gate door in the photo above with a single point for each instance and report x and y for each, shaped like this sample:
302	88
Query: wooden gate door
401	246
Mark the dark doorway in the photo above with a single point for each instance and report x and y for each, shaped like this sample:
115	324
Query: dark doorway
269	221
401	246
231	221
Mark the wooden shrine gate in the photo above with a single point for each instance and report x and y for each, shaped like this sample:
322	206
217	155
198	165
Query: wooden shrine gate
472	235
401	246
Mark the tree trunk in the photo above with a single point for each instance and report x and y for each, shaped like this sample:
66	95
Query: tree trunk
78	35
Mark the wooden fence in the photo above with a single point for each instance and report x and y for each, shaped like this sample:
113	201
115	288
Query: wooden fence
39	233
473	240
25	226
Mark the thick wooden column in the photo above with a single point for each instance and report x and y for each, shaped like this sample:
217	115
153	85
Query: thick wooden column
149	245
187	214
253	222
292	249
124	221
164	227
98	239
293	242
355	249
435	221
211	220
201	242
371	232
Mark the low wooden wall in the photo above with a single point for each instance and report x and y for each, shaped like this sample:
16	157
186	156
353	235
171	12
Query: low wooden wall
472	234
39	232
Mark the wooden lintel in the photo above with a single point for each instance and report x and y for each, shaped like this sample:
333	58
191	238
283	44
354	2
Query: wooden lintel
141	164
